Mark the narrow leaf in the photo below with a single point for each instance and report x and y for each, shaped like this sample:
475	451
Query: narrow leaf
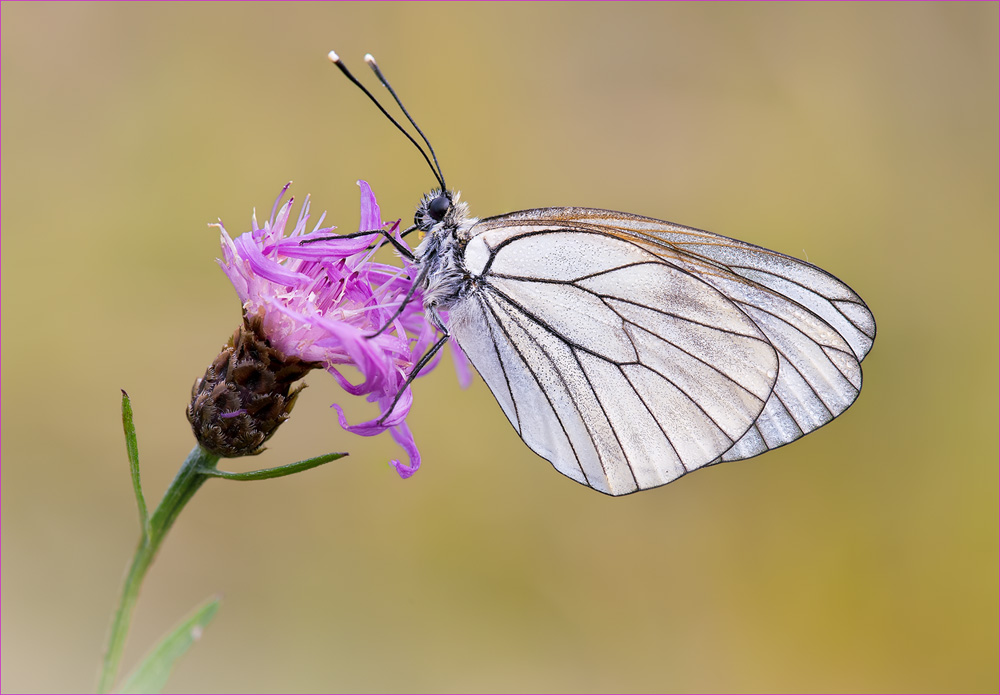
132	447
276	472
151	675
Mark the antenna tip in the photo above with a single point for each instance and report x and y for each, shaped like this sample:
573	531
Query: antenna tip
369	58
334	58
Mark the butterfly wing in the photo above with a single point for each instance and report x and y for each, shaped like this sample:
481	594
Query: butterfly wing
820	327
629	351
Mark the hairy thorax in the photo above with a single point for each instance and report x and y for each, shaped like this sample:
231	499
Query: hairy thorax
442	255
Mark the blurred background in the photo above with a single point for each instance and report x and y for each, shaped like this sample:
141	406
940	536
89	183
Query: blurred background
860	136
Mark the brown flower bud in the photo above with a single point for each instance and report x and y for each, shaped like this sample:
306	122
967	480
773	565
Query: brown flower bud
245	393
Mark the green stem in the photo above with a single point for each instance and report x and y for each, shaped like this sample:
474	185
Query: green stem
185	484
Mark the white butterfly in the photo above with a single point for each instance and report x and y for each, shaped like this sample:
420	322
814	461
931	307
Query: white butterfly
629	351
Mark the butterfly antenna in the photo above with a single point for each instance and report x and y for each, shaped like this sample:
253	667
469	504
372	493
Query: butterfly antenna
385	83
335	59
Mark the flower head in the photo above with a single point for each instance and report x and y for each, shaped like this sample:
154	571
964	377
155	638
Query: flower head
323	301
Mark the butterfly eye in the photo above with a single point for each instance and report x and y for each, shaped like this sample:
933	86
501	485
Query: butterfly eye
439	207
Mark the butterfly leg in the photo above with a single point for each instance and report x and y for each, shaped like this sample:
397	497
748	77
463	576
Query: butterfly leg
421	363
417	281
403	250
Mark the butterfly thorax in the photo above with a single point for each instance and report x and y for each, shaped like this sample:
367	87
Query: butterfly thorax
440	254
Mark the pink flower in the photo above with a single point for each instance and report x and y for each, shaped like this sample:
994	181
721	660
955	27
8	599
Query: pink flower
322	301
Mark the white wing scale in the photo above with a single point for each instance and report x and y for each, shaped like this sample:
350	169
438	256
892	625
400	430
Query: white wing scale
820	328
623	370
628	351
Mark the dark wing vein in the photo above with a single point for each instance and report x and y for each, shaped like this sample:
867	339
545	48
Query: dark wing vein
541	388
604	410
573	283
830	301
503	367
547	326
689	354
822	346
541	322
656	419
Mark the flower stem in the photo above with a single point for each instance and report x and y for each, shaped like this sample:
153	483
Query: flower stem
189	478
277	471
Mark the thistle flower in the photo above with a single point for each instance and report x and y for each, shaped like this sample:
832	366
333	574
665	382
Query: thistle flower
321	302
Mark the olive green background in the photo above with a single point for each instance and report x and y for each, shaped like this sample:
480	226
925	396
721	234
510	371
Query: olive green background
861	136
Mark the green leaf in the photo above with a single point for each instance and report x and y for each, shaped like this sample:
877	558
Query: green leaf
276	472
132	447
151	675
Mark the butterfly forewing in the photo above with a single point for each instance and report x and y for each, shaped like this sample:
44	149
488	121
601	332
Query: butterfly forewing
628	351
719	260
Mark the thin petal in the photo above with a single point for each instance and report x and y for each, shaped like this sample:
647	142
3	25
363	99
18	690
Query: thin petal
264	267
462	368
371	216
403	436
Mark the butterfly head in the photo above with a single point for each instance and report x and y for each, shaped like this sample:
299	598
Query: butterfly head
440	210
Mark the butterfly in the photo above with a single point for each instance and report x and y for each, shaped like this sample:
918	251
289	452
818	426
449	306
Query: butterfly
629	351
